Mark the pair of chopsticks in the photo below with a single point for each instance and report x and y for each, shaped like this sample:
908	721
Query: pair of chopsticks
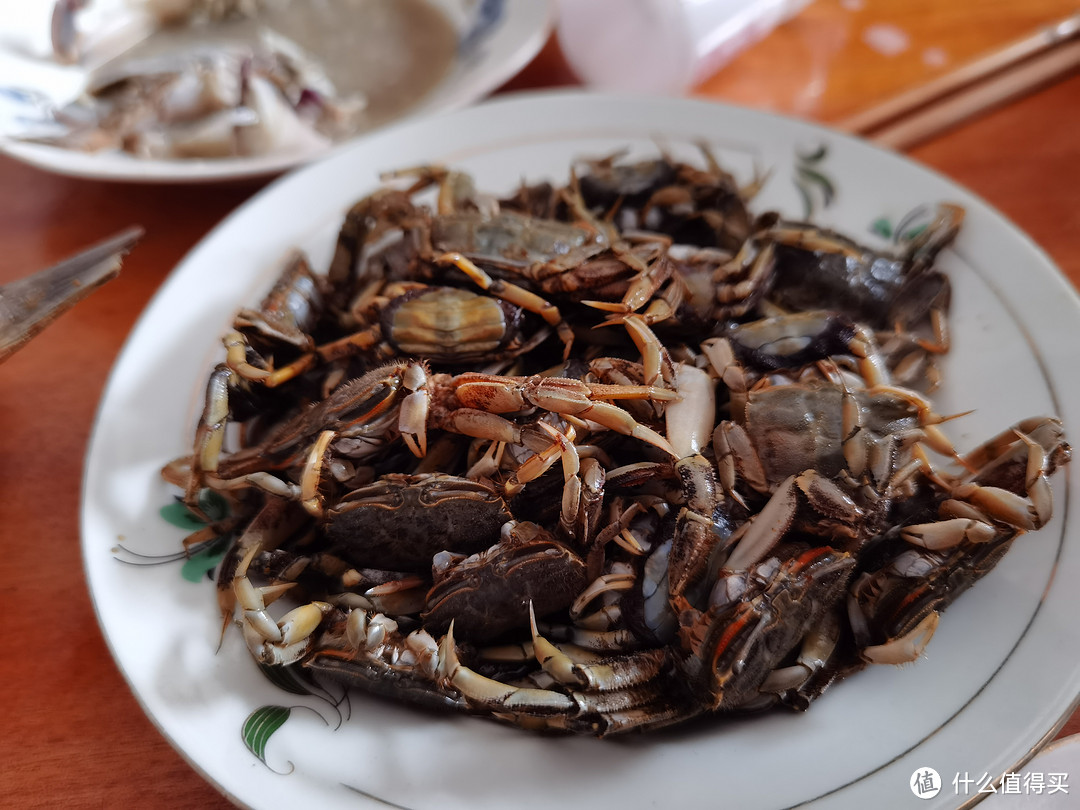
1051	54
30	304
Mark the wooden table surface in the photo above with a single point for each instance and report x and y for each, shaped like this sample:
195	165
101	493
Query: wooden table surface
73	733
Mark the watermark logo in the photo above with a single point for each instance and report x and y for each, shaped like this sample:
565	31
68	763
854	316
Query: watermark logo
925	783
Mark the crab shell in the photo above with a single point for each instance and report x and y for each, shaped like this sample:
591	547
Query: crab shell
488	594
401	521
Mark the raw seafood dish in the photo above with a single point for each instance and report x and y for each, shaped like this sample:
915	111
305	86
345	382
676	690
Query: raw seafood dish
598	456
203	79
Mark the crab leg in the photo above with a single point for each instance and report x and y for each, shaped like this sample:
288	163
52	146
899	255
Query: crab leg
1025	512
309	480
907	648
362	341
625	706
210	434
1005	441
969	513
814	653
236	359
721	357
752	261
690	419
755	537
561	446
735	458
413	416
586	519
649	278
493	694
282	642
928	420
489	463
948	533
603	675
618	640
654	356
564	396
614	582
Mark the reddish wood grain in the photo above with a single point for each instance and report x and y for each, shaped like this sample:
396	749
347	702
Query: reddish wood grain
72	732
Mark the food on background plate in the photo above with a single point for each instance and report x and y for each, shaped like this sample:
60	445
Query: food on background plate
601	456
226	79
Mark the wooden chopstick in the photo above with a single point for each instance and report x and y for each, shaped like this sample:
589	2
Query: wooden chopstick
1017	69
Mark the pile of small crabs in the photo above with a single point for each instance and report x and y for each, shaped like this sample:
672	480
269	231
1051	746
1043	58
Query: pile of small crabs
599	457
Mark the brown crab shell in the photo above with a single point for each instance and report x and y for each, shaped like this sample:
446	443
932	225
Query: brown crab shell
489	594
401	521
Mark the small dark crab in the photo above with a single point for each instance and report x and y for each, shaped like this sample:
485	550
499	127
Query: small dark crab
904	298
691	205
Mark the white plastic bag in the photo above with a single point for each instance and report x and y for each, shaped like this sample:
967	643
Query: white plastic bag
661	46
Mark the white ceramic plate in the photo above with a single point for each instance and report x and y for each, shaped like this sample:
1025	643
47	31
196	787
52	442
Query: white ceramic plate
497	38
1001	672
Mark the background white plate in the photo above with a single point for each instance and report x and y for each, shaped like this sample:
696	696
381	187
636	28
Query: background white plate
1001	672
497	38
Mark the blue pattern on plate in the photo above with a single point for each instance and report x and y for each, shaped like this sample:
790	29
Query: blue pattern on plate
24	111
488	16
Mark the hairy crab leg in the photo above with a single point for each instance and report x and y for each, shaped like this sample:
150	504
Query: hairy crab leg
1026	512
948	533
489	463
559	447
236	359
650	276
614	641
928	419
371	652
754	263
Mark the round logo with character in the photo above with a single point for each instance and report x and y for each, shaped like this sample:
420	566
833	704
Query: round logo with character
925	783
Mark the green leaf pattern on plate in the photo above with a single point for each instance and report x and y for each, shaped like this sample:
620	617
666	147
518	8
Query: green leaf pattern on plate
260	726
882	227
205	560
199	563
812	183
910	225
180	516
